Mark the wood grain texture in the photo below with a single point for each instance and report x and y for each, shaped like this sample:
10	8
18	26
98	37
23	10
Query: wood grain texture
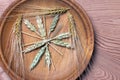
105	16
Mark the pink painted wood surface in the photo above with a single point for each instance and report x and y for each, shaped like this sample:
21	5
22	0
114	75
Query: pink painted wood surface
105	16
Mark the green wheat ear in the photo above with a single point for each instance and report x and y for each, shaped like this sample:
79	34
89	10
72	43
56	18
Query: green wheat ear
37	57
54	24
41	27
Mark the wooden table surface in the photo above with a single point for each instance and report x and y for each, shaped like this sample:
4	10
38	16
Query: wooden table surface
105	16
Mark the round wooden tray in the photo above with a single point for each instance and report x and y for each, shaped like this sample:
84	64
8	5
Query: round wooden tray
66	67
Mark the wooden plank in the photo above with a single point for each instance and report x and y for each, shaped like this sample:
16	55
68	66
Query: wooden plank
105	16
